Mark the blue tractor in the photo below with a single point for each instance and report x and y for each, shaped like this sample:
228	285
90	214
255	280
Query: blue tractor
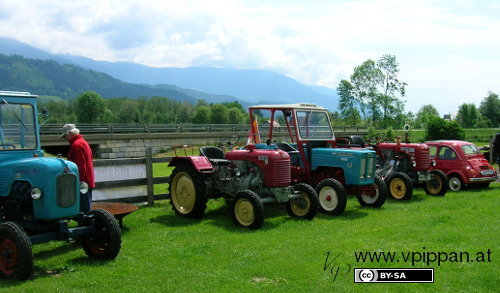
40	196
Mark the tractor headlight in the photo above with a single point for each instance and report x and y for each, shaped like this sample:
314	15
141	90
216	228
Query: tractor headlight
84	188
36	193
433	163
414	164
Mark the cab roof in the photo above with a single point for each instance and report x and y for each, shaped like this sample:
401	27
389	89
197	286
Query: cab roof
302	106
16	94
448	142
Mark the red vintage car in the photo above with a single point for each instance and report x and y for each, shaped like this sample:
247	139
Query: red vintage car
462	162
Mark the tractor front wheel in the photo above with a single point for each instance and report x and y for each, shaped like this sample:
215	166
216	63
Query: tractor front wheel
105	242
16	255
332	197
378	196
306	206
247	210
400	186
187	192
438	185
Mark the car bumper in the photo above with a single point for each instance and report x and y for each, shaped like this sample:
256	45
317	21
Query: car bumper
483	179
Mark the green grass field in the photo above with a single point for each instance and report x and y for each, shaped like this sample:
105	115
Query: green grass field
162	252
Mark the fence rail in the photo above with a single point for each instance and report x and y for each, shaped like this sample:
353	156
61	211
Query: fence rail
55	128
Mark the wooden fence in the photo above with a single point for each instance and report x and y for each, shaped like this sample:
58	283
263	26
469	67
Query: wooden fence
147	180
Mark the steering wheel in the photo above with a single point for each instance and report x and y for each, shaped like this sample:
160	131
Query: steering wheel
8	146
229	141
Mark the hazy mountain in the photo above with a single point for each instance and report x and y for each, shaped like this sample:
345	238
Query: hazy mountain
223	84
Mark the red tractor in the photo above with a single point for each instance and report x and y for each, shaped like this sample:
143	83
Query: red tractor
246	178
403	165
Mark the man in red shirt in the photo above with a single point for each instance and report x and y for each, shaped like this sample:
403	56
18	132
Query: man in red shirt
81	154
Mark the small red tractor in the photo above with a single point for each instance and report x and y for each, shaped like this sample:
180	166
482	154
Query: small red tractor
246	178
335	172
403	165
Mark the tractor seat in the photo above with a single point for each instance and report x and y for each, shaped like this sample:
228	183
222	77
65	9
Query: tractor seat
215	155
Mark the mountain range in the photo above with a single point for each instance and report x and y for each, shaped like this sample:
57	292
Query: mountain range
214	85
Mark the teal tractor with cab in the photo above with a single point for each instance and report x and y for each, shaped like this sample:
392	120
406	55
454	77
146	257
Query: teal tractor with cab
315	157
40	196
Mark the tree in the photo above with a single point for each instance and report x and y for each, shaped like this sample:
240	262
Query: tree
218	114
348	103
235	116
391	88
365	80
201	115
468	115
90	107
438	128
424	115
490	109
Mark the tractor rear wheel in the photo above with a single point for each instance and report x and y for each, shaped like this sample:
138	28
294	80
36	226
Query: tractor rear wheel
400	186
187	192
438	185
247	210
332	196
16	255
105	242
378	198
306	206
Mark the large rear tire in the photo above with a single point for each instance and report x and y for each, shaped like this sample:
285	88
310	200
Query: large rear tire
332	197
378	198
105	242
16	255
187	191
400	186
247	210
438	185
306	206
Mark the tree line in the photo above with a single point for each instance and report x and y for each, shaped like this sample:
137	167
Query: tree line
90	107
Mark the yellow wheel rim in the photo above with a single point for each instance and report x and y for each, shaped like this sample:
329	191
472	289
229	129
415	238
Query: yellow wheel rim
183	193
398	188
300	206
244	212
434	185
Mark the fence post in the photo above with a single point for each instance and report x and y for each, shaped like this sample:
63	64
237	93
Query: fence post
491	150
149	176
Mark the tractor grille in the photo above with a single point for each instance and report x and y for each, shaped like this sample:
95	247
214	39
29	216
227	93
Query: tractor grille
66	190
280	175
423	159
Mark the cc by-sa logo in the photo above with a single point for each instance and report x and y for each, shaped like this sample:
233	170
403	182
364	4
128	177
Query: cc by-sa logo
368	275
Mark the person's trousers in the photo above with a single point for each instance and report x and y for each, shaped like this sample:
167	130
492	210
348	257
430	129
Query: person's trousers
86	201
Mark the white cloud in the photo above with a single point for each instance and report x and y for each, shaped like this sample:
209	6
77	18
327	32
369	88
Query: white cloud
444	49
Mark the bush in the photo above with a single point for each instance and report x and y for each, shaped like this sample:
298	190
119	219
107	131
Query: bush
438	128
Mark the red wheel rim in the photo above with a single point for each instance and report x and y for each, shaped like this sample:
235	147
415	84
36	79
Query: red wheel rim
8	256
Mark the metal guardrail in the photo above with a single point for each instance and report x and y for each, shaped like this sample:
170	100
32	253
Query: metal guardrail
119	128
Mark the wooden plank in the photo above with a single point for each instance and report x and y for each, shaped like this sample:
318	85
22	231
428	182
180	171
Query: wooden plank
119	162
149	176
120	183
161	160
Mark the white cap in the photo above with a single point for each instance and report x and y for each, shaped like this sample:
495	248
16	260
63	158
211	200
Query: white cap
69	128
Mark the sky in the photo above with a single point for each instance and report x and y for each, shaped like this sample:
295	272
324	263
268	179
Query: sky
448	50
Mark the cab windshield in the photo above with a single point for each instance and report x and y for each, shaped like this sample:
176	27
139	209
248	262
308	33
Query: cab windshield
314	125
17	127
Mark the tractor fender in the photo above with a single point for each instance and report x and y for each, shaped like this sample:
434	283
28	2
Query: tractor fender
199	163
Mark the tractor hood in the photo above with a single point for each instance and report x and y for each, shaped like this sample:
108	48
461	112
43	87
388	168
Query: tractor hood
35	170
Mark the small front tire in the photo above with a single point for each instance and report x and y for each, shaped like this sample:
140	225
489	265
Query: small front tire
378	199
455	183
247	210
105	242
400	186
306	206
438	185
332	197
